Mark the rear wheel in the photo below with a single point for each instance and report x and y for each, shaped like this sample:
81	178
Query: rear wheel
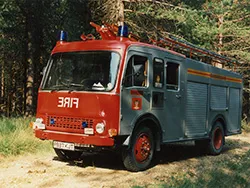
66	155
217	139
139	155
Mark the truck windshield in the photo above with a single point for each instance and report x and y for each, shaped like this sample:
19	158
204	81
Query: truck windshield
82	71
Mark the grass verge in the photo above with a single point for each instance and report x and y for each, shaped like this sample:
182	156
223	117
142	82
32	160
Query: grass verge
230	173
17	138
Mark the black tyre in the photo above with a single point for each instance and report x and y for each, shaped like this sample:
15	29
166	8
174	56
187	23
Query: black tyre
66	155
139	155
217	139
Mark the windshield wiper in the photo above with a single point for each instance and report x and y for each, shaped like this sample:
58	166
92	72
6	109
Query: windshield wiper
76	85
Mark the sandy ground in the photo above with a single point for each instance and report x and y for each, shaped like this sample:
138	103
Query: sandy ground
46	170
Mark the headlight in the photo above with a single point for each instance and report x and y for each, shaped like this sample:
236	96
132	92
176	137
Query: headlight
38	124
100	128
39	120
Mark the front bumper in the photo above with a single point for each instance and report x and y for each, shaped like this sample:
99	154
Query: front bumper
74	138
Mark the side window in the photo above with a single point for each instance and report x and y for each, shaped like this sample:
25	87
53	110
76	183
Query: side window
158	69
136	73
172	71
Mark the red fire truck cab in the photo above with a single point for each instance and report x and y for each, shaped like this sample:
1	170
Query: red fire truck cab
119	93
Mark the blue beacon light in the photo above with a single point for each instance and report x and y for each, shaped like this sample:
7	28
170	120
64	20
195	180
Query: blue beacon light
62	36
123	31
84	124
52	121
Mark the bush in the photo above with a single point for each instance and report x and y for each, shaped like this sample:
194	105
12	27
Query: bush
16	137
245	126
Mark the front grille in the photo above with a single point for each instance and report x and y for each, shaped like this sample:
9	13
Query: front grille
68	124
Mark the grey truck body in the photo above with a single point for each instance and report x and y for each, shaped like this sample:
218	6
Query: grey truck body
188	107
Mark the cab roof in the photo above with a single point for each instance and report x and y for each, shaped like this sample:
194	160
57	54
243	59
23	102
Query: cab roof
120	44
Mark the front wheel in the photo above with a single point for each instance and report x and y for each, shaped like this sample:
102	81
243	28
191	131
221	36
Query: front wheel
217	139
139	155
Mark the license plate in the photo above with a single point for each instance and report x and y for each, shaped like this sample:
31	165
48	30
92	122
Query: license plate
88	131
64	145
82	145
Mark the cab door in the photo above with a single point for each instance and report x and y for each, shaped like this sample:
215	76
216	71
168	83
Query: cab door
135	92
174	97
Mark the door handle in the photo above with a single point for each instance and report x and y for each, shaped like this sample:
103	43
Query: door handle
147	93
178	96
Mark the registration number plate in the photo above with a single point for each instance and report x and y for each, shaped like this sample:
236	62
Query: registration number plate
64	145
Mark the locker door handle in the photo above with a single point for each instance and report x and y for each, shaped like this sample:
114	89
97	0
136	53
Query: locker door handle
147	93
178	96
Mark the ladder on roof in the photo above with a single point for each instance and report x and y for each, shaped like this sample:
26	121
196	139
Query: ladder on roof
192	51
109	32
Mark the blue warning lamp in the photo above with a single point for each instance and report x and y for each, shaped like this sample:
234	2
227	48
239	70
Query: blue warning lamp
84	124
123	31
62	36
52	121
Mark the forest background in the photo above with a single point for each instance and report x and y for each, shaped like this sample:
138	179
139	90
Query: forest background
29	28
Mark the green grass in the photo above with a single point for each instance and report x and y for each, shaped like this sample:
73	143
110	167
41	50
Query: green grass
230	169
17	138
234	172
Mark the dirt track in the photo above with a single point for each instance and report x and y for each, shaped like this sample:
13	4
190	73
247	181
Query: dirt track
46	170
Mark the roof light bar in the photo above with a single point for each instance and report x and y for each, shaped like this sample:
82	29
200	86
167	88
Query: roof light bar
62	36
123	31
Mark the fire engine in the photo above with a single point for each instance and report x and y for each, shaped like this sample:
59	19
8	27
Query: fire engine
121	94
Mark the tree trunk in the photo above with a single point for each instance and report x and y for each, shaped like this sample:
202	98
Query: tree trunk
37	36
29	90
220	25
25	65
34	63
30	80
2	89
120	6
220	38
2	81
248	109
13	90
247	97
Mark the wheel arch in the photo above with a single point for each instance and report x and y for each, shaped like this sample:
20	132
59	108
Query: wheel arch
150	121
219	118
